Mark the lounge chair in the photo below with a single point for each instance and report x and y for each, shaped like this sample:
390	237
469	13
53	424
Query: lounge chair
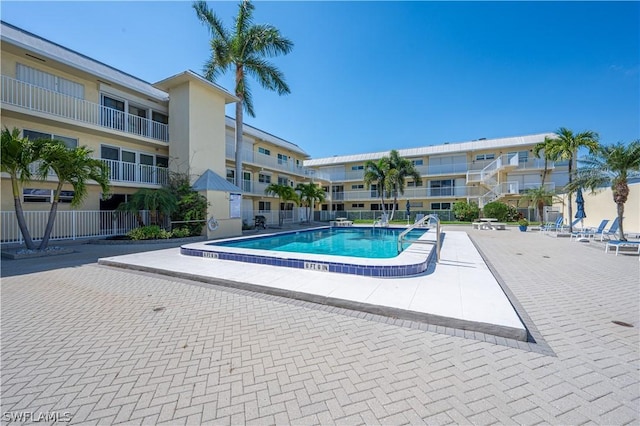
564	229
612	231
551	226
589	232
383	221
617	244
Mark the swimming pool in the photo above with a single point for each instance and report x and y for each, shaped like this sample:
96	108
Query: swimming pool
373	243
356	250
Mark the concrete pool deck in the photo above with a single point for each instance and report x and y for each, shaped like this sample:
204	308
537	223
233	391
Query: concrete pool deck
459	292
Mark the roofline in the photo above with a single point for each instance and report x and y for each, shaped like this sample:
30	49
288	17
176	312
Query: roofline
266	136
438	149
75	65
189	74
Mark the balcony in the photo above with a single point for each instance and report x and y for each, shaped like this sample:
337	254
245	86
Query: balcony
34	98
121	171
273	163
411	193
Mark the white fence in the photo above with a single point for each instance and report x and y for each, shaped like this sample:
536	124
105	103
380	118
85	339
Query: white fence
69	225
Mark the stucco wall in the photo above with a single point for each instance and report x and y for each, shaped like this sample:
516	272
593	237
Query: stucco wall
600	206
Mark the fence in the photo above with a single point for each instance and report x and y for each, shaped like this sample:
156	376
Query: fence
69	225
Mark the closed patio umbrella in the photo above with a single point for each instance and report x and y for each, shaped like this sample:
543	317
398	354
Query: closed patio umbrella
580	213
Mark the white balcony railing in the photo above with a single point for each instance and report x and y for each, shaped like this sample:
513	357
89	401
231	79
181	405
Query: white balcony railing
34	98
273	163
121	171
412	193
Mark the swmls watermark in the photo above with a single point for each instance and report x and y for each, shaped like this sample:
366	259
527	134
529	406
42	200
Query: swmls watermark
33	416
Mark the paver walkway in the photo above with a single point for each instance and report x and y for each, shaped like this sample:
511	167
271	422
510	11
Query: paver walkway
111	346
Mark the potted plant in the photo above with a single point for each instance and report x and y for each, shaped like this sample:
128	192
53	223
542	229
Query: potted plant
522	224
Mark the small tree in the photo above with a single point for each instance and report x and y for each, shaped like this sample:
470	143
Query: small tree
16	155
309	194
191	205
466	212
159	202
377	172
399	170
71	166
539	197
285	193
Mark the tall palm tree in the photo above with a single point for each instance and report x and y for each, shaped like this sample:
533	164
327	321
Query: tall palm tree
243	50
565	147
309	194
72	166
399	170
543	148
377	172
16	155
611	165
286	194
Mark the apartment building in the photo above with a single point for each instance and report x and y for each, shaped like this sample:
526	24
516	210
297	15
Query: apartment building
142	131
480	171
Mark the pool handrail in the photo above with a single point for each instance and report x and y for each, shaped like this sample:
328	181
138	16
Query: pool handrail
421	222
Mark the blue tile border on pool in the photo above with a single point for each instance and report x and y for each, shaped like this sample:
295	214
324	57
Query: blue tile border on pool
338	267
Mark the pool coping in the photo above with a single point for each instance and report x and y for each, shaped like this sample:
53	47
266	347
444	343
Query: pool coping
411	261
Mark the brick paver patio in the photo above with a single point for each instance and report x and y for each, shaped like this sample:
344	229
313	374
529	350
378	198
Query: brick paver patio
111	346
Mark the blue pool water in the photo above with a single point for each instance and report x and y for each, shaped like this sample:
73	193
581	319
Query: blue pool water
372	243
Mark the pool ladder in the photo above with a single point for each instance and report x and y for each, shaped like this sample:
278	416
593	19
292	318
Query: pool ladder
422	222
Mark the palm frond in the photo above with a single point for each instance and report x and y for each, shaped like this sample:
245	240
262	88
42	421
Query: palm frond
211	21
268	75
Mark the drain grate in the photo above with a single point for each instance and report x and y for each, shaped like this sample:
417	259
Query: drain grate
622	323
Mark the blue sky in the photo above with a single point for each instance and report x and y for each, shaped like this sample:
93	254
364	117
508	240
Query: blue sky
372	76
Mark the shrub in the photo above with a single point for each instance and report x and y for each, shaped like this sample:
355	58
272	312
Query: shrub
466	212
497	210
181	232
153	232
191	205
523	222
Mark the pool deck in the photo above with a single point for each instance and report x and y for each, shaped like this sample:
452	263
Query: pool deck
459	292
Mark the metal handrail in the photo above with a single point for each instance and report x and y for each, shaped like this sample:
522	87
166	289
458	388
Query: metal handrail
421	222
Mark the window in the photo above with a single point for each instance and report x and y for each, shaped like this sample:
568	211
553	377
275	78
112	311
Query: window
283	180
66	196
162	161
439	188
360	186
231	176
49	81
360	167
412	184
33	135
282	159
36	195
357	206
262	178
417	162
264	206
264	151
416	204
440	206
481	157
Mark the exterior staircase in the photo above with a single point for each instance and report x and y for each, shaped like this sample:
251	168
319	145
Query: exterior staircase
488	179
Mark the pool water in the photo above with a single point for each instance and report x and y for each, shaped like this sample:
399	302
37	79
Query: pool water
372	243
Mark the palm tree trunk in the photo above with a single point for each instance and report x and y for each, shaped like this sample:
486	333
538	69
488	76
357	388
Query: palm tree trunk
620	207
52	218
22	223
570	208
239	144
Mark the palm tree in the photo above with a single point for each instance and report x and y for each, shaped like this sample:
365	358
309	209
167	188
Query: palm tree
285	193
159	202
564	147
377	172
72	166
399	169
539	197
309	194
544	147
16	155
243	50
610	165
